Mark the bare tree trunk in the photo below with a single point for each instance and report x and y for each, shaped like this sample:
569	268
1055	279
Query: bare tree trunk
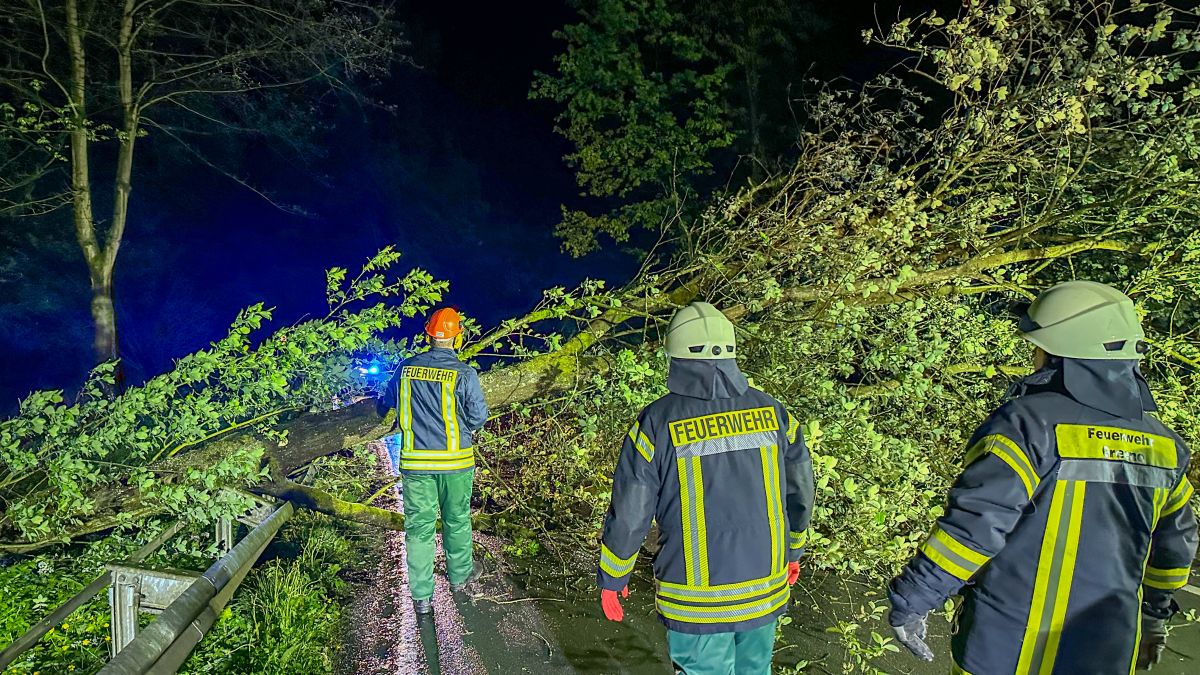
104	345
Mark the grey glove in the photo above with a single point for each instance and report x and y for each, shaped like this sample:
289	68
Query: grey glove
1154	641
910	631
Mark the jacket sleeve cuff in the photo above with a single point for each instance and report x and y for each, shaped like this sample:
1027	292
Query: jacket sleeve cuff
608	582
613	572
797	542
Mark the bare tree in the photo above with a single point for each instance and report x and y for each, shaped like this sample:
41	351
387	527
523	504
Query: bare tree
81	81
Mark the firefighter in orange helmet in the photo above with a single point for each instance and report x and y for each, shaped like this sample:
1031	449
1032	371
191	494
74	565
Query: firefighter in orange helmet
439	406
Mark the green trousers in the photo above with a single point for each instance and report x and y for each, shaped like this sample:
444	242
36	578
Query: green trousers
424	495
742	653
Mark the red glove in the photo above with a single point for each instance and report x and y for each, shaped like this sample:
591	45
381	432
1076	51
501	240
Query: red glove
793	572
611	604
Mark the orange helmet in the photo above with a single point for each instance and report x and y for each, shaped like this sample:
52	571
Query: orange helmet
444	324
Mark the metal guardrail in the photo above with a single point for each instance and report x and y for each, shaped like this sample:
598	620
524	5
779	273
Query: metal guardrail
167	642
188	603
38	631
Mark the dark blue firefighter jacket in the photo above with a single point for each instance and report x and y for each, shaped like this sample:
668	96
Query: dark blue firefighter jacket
1071	518
723	469
439	405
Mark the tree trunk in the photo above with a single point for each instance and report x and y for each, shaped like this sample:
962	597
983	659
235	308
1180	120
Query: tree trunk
104	321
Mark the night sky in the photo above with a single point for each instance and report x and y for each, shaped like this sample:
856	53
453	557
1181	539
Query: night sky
462	173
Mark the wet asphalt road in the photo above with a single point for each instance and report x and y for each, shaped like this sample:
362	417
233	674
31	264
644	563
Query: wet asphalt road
545	620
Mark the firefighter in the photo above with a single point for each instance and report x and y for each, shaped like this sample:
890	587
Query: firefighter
1070	527
723	469
439	405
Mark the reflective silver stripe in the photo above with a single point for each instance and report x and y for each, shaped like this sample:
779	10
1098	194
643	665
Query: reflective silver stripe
724	614
716	446
692	503
1107	471
615	566
726	592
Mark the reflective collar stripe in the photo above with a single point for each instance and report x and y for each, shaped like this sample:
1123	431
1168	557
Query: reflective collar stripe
1179	498
952	555
1011	454
726	613
726	592
614	565
1166	579
1055	572
798	539
695	534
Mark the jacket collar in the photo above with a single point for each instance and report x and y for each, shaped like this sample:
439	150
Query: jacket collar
1115	387
706	379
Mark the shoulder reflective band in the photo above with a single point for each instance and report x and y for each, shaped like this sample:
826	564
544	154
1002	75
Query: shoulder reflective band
429	374
1166	579
1179	498
952	555
615	566
1055	572
1084	441
641	442
957	669
797	539
1011	454
793	428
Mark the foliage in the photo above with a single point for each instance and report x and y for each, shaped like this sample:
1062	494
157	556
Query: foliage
642	105
1026	142
55	456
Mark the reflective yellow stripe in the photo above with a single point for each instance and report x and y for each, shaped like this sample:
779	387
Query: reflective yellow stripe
1166	579
1055	572
1011	454
793	428
1179	497
724	594
771	489
695	531
438	455
427	465
956	669
798	539
1063	592
450	415
641	442
724	613
951	555
405	415
614	565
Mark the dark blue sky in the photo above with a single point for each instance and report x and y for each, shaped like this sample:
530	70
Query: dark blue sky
463	174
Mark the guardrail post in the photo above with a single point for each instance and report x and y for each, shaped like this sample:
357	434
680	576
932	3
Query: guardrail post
224	535
125	599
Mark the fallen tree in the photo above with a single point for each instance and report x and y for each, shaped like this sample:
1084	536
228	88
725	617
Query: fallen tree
871	283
